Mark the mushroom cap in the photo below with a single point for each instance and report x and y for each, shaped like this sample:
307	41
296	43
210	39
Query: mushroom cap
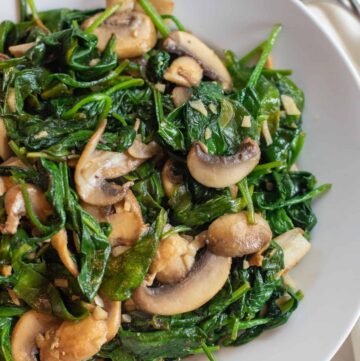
184	71
232	236
135	33
23	338
184	43
204	281
169	179
222	171
95	167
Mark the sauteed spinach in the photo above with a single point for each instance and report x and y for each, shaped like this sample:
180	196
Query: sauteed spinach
119	134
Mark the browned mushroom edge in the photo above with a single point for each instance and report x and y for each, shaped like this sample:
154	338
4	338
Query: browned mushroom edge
222	171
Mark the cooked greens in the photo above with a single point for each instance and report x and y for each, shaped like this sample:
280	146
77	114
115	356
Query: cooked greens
60	252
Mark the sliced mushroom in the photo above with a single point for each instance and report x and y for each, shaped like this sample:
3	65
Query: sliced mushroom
21	49
126	221
5	151
163	7
174	259
95	167
184	71
169	179
139	150
204	281
135	33
222	171
232	236
28	327
180	95
78	341
125	5
15	206
60	243
295	247
113	322
183	43
3	57
7	182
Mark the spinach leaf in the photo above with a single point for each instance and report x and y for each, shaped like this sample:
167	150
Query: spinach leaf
127	271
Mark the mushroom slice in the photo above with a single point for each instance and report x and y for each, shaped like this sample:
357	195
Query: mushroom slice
78	341
21	49
5	151
169	179
113	322
183	43
174	259
180	95
127	221
184	71
222	171
95	167
28	327
15	206
60	242
135	33
140	150
295	247
74	341
204	281
163	7
231	235
6	182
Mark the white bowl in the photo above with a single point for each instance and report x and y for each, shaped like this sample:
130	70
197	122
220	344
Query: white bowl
330	275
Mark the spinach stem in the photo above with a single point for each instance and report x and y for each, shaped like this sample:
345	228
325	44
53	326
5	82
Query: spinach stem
30	211
235	329
120	118
155	17
43	155
124	85
238	293
159	109
299	199
208	352
19	152
36	17
270	72
265	54
268	166
244	189
175	20
201	350
247	57
106	14
23	10
89	99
